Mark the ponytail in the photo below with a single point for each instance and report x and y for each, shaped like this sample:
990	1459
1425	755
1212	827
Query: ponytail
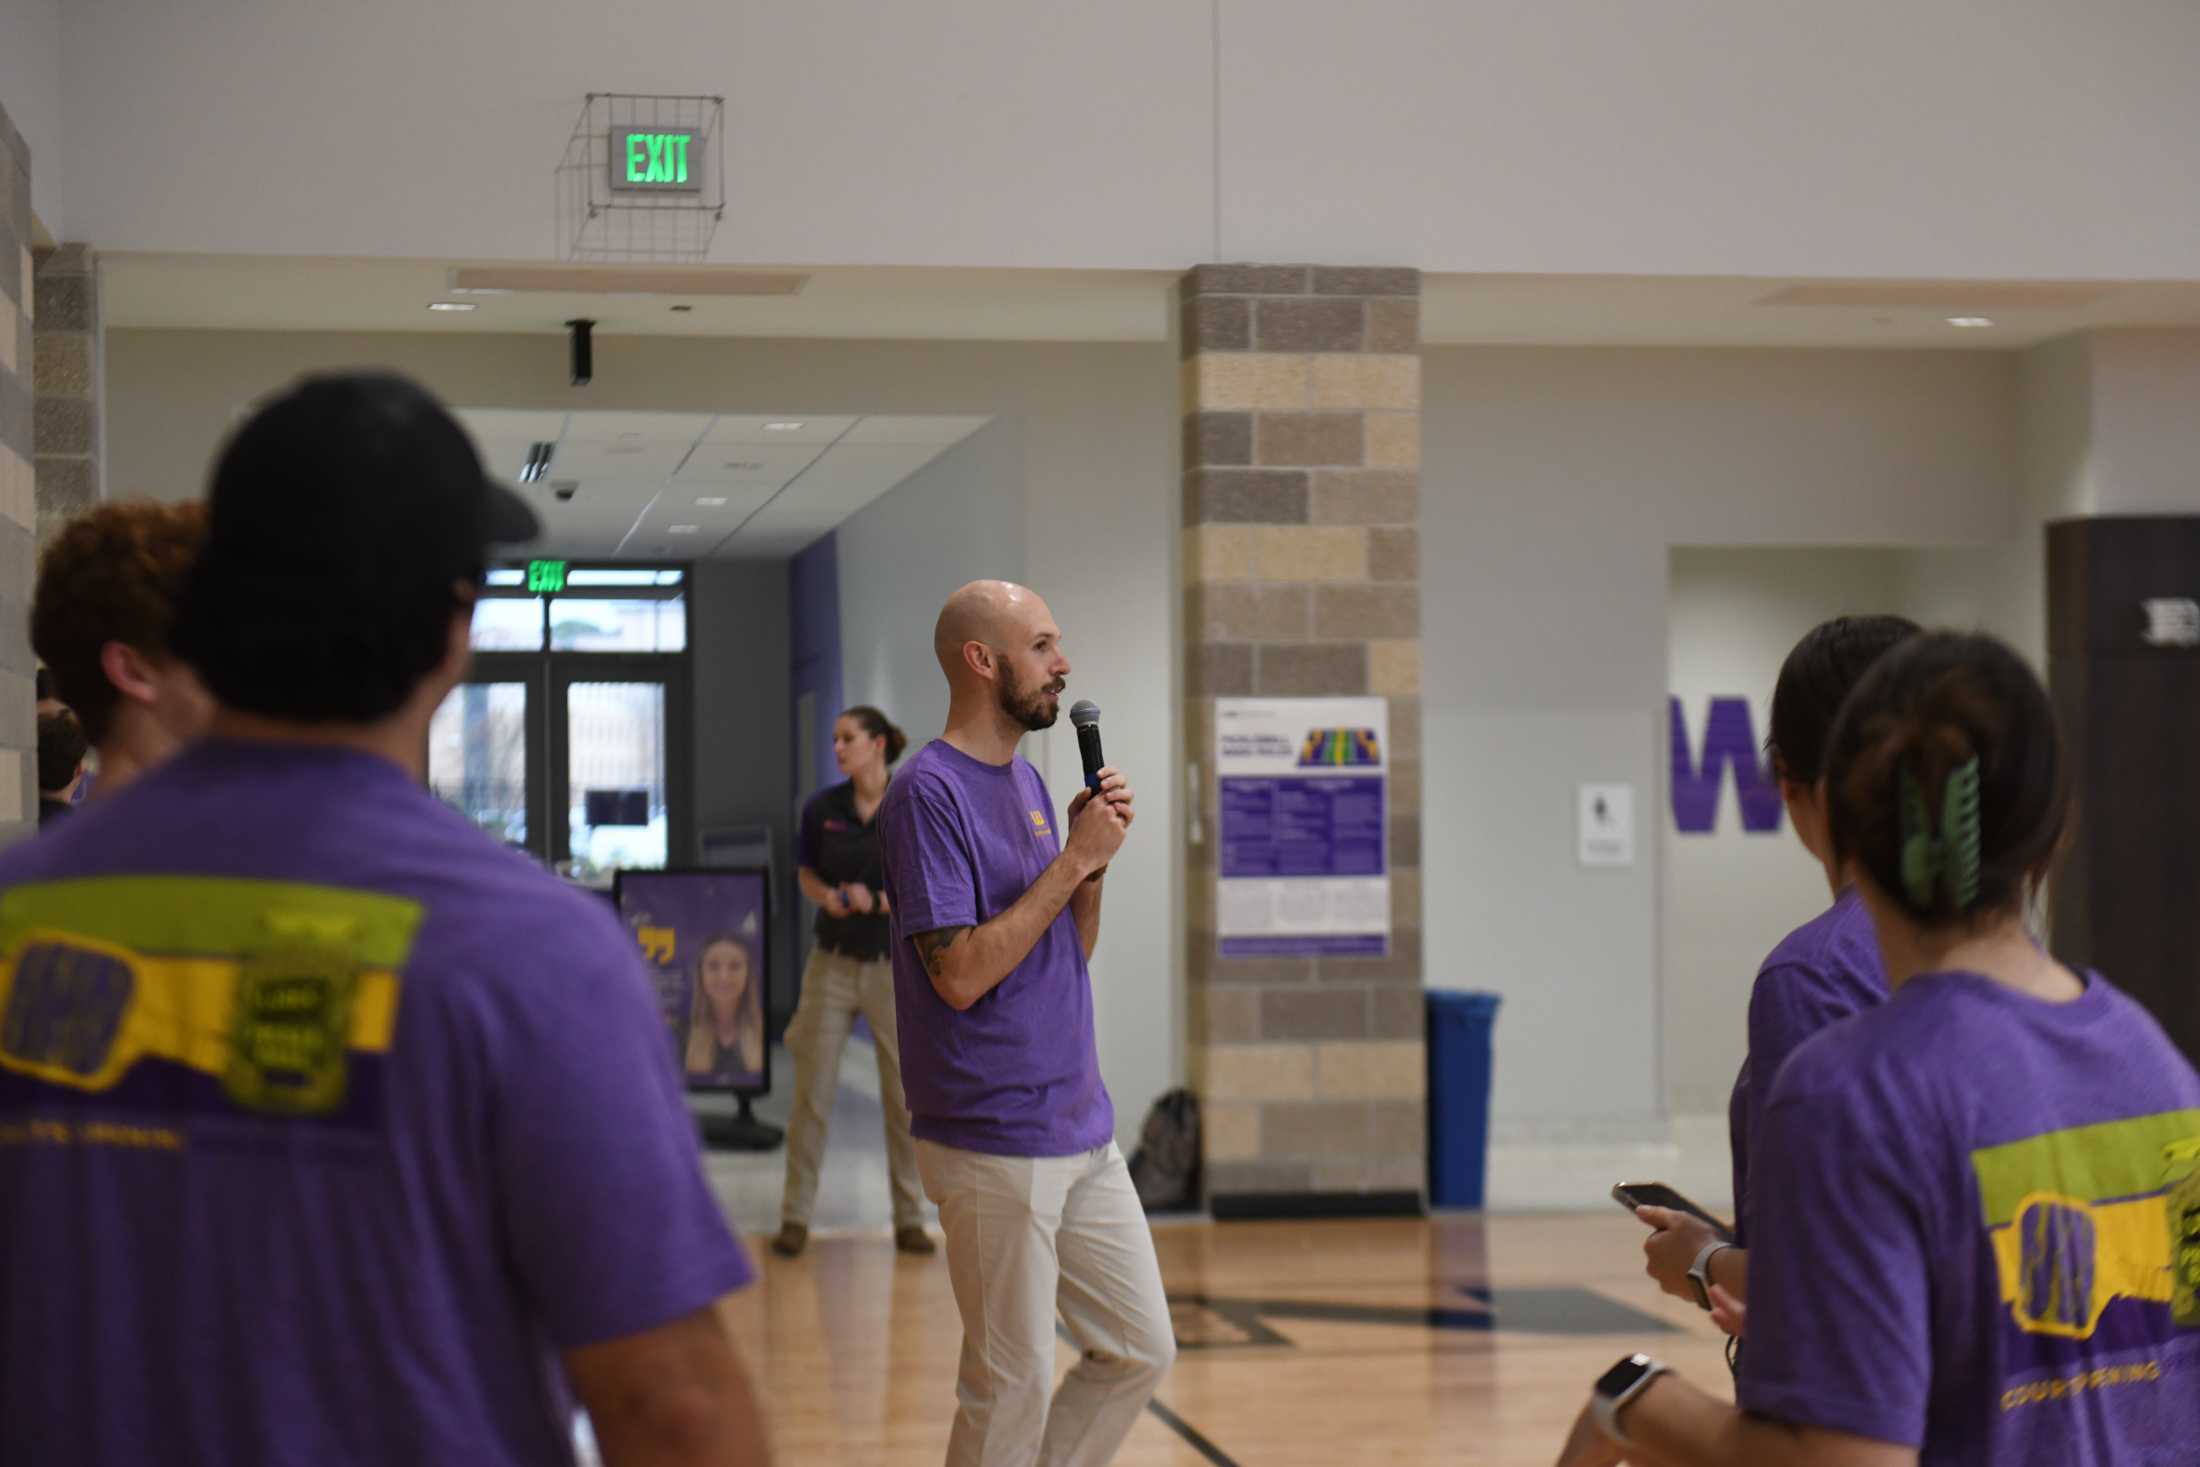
878	726
1946	779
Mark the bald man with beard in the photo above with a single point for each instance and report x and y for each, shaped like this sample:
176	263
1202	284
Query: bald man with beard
995	918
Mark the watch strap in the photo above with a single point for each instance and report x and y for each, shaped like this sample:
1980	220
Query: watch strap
1699	1272
1606	1409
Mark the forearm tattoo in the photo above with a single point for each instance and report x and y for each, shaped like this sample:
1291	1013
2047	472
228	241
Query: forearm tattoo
932	947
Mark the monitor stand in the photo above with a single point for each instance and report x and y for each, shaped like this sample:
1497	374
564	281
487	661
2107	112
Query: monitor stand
741	1131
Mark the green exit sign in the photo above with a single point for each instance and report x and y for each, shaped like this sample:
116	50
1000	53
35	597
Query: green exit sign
545	577
656	160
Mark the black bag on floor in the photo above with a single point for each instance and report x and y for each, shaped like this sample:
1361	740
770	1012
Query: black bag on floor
1165	1167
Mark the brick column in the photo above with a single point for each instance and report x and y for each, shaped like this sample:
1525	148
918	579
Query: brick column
18	516
70	457
1302	455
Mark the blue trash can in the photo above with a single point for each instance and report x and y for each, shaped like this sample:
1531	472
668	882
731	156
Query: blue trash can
1460	1026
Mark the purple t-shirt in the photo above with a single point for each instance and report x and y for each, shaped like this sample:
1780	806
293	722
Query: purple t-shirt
325	1124
1017	1073
1821	973
1969	1230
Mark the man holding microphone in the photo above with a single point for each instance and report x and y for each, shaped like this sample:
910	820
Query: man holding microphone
994	919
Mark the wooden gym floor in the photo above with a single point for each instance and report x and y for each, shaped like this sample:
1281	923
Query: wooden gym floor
1464	1341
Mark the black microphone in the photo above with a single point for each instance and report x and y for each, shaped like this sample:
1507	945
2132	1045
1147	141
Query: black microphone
1085	714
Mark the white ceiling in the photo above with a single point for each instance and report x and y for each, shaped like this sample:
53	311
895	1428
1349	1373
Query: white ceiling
1714	311
263	293
692	486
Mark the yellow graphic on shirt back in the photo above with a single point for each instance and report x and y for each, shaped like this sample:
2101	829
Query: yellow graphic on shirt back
2082	1217
2181	1160
288	1046
268	987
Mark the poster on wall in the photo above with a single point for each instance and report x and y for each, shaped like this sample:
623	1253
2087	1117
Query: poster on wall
702	934
1303	792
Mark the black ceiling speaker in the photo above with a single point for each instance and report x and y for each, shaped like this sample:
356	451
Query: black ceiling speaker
584	351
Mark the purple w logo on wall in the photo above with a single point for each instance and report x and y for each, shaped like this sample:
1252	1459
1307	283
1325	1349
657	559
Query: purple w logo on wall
1729	740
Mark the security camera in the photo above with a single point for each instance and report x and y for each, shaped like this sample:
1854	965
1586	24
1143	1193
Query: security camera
583	351
565	489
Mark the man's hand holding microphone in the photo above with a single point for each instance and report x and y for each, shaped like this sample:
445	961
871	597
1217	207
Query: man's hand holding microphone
1101	813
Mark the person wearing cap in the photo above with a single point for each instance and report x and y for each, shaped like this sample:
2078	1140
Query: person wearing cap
101	619
358	1138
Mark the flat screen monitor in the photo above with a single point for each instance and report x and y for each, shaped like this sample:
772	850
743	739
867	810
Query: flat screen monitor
617	807
704	933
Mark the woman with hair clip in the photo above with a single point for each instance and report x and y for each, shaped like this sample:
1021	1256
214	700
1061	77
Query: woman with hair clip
1978	1204
850	972
1822	972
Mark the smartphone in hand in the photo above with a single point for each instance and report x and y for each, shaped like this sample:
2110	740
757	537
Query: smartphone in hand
1632	1195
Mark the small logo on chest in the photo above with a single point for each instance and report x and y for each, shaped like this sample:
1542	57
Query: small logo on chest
1039	826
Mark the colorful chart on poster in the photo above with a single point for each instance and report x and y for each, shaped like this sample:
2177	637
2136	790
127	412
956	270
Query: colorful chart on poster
1303	795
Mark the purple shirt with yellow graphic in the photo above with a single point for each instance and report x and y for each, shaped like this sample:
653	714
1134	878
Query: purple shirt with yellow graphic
325	1125
1978	1232
1018	1072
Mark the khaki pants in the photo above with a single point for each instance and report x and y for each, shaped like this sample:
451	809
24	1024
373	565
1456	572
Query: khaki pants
1028	1238
834	990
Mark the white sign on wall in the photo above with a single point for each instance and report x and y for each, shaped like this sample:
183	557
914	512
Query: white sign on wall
1303	791
1606	824
2172	621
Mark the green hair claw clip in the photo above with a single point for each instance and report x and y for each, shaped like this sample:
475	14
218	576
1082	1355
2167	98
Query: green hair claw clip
1943	863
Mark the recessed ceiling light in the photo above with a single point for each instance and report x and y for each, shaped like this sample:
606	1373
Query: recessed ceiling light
783	427
712	503
452	306
1970	321
682	529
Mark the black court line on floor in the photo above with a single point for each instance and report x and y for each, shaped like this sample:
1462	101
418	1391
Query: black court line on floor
1193	1437
1564	1311
1207	1323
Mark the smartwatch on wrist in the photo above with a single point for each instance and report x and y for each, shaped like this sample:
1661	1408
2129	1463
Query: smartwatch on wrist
1699	1272
1617	1388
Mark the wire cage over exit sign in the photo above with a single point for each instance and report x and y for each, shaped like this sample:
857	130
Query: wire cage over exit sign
643	178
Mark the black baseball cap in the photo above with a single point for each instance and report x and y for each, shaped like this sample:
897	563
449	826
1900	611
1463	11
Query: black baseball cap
361	467
348	519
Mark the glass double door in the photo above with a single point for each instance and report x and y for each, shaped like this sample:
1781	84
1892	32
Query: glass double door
580	761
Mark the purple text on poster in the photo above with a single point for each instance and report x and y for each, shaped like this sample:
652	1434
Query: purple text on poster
1309	945
1285	825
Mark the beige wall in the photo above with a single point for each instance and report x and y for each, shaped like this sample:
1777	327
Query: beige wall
18	499
1556	482
2035	139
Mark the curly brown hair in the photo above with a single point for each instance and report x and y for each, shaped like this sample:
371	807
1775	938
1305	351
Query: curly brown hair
115	574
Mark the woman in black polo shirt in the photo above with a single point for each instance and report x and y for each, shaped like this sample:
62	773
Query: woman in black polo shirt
849	972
